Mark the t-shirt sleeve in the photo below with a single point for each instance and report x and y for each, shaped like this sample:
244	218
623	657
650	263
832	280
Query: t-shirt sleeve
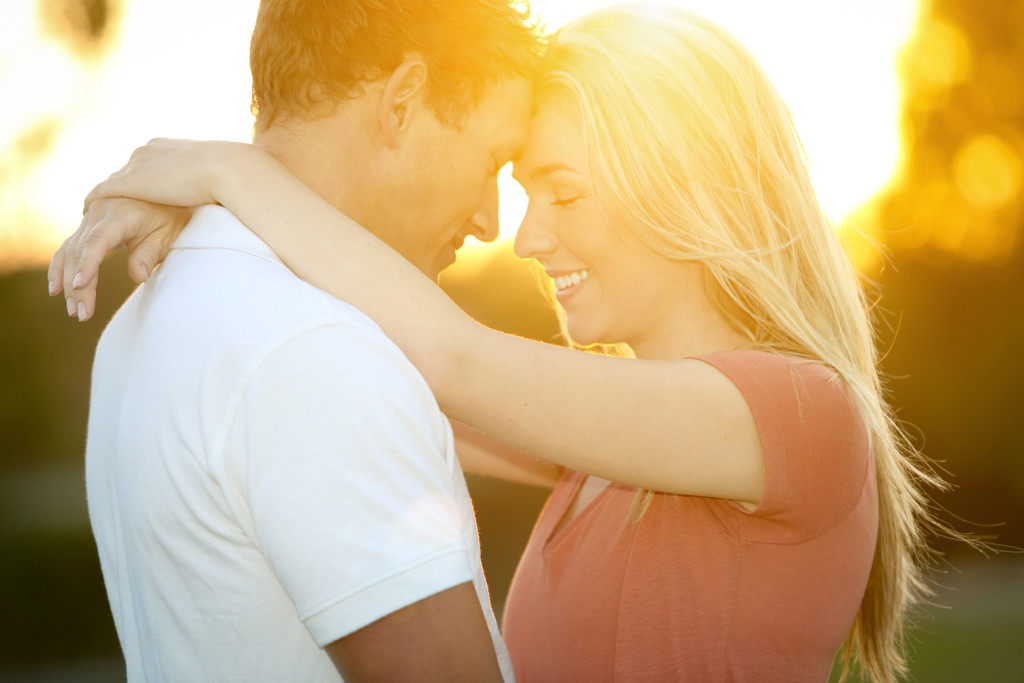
814	442
342	465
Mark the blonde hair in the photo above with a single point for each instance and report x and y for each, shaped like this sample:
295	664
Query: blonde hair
693	154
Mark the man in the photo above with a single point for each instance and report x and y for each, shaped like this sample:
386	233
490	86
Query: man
271	485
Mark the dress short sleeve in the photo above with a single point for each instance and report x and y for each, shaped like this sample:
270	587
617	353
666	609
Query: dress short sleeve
814	442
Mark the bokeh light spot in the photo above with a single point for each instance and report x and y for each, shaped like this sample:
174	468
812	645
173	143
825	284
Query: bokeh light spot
30	147
988	171
941	55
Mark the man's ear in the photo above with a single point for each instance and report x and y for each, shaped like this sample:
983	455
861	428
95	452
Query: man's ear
402	96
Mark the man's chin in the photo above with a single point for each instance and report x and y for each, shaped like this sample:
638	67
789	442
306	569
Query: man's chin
444	261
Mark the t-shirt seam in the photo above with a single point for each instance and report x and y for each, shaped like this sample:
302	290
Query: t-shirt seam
334	601
364	335
237	250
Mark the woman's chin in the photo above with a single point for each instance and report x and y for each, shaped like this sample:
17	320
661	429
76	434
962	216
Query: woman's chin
583	334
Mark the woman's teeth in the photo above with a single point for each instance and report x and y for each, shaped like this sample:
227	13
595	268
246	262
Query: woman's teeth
564	282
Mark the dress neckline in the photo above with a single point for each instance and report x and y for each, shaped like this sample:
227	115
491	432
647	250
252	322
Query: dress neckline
558	530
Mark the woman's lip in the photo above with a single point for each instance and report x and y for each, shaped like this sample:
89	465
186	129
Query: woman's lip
566	271
568	282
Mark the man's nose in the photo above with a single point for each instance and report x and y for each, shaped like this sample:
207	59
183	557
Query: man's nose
485	220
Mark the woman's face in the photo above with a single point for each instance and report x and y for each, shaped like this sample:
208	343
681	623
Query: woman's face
612	291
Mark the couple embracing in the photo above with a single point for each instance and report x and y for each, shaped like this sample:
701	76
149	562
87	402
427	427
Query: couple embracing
281	413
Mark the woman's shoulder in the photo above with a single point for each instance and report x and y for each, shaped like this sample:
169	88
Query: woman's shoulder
781	379
813	438
789	392
756	361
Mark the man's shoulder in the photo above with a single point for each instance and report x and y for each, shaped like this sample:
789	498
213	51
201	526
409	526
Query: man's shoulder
218	264
222	292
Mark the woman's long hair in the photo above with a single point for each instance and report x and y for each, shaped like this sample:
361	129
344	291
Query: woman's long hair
694	155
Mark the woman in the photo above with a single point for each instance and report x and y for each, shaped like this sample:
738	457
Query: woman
737	500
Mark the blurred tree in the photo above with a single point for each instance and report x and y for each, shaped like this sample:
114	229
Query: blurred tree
82	26
51	590
953	219
959	187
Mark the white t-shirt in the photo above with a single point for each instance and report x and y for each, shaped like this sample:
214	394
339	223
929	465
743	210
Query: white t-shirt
266	472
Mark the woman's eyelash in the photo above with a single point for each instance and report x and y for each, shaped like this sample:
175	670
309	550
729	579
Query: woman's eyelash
569	201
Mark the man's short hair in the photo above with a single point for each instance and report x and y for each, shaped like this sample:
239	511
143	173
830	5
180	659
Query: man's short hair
308	54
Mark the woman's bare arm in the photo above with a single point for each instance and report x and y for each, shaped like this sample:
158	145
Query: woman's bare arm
481	453
675	426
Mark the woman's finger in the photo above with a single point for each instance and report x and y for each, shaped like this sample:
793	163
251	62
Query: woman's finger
109	232
85	300
69	270
145	256
95	241
55	273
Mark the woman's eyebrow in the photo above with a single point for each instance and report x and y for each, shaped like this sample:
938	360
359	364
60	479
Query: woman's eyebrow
547	169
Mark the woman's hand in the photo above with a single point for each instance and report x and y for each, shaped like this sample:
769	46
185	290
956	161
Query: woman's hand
175	172
147	230
163	175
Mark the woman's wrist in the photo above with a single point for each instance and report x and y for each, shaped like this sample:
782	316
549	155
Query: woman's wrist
229	165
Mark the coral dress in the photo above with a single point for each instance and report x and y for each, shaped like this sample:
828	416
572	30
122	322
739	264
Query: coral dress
704	589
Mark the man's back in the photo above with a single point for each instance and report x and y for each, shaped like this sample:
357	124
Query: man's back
266	472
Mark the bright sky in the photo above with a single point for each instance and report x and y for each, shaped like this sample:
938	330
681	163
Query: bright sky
180	69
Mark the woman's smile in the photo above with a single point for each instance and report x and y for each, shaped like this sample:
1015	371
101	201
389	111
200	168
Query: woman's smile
566	283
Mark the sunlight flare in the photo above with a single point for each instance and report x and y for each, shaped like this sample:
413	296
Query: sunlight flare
157	72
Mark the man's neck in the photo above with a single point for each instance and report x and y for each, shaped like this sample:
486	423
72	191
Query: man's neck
332	157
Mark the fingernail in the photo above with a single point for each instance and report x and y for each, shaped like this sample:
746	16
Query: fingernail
52	288
71	307
81	311
77	281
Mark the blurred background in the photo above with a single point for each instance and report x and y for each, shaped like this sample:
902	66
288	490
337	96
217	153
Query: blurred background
913	118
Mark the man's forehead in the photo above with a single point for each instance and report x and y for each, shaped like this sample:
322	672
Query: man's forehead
504	114
510	101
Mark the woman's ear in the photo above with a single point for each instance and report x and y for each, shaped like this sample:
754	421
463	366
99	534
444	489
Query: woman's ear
401	98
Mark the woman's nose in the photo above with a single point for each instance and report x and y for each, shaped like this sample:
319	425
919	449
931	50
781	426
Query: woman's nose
533	238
